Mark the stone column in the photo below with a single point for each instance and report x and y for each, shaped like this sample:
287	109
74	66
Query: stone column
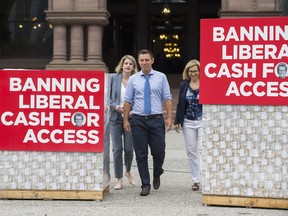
94	55
59	45
78	14
77	44
102	4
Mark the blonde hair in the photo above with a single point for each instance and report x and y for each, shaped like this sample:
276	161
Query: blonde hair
119	69
191	63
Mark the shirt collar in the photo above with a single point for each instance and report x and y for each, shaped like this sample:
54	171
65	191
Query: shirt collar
150	73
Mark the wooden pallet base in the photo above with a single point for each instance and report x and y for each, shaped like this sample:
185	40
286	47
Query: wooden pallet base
54	194
254	202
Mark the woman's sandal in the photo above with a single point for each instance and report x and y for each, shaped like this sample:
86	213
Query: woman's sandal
195	186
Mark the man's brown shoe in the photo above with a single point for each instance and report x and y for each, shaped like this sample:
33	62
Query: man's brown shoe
156	182
145	191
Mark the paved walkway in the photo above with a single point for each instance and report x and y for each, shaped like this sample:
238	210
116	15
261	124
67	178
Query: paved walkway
174	197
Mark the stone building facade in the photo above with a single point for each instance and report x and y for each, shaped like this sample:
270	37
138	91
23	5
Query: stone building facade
93	33
85	20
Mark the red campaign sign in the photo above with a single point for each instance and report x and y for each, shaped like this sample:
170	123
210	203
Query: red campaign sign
244	61
59	111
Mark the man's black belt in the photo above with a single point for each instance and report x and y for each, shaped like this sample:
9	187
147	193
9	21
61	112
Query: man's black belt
155	116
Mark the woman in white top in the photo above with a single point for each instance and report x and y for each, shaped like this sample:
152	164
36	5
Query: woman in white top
121	140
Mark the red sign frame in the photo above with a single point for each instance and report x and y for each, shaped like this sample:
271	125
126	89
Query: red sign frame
44	110
241	60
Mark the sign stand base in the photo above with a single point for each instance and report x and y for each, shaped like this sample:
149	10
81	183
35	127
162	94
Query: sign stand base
257	202
54	194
